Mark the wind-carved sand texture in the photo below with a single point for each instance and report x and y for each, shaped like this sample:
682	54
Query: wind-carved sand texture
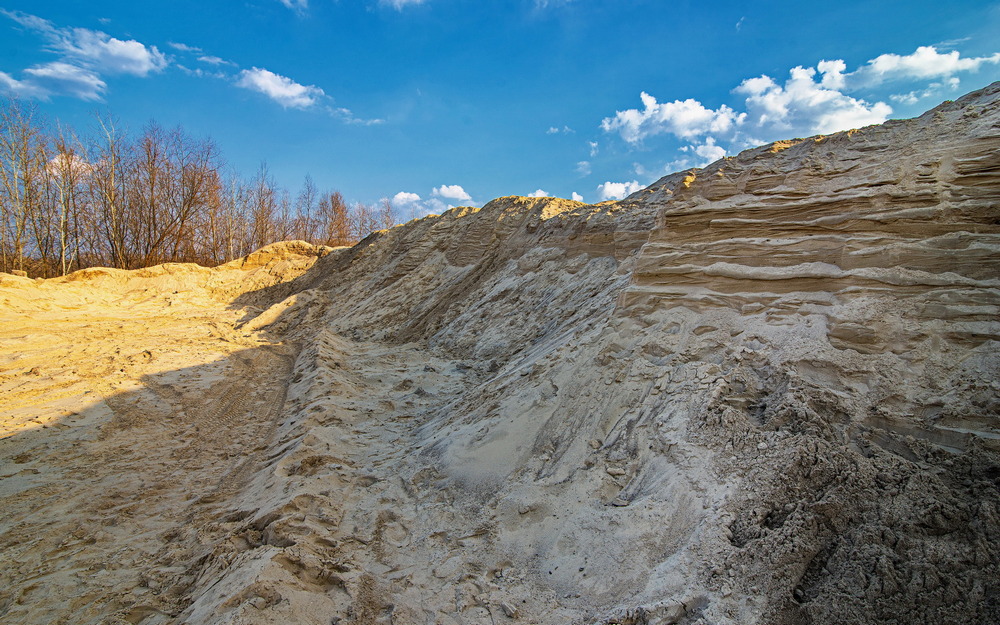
761	392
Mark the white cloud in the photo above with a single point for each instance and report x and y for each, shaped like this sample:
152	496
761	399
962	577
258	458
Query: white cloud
539	193
198	72
681	118
907	98
617	190
807	105
33	22
640	169
935	88
833	73
107	54
413	207
926	62
214	60
442	198
348	117
183	47
576	197
436	206
803	105
84	56
94	49
22	88
67	163
399	5
708	151
553	130
405	200
452	192
594	148
290	94
811	100
654	173
67	79
200	54
544	4
283	90
583	168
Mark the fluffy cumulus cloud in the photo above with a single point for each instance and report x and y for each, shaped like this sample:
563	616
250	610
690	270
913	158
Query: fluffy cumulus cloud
811	100
925	63
803	105
63	163
539	193
412	205
84	57
452	192
820	99
405	200
617	190
708	152
281	89
682	118
576	197
110	55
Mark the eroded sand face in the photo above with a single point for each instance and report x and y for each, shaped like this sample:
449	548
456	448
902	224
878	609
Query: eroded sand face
762	392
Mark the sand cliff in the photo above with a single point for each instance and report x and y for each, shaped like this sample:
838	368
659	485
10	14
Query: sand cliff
760	392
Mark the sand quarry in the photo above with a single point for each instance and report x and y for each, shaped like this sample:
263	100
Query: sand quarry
765	391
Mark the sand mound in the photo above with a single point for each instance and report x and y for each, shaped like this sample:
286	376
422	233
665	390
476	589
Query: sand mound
761	392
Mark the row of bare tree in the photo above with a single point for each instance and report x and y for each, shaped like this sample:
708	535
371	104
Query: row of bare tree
121	200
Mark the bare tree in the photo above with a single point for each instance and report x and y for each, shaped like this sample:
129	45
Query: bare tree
386	218
22	162
262	204
284	225
335	220
109	190
43	214
68	169
132	201
235	219
364	220
195	164
306	202
149	196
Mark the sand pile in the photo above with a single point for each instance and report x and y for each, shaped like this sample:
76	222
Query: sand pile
761	392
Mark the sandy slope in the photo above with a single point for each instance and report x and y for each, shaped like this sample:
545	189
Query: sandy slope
129	405
762	392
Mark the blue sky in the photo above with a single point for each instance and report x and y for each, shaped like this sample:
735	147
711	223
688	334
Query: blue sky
435	103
